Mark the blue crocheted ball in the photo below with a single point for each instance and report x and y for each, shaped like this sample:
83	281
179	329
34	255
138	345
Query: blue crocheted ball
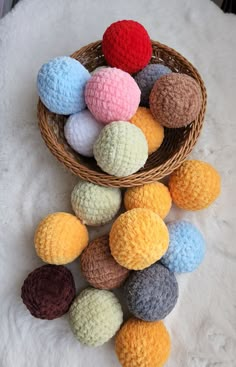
152	293
61	83
146	79
186	247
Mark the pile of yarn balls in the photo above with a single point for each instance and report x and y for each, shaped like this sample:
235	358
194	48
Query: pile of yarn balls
141	253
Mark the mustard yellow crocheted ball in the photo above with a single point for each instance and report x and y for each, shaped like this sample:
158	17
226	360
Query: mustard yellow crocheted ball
194	185
138	238
151	128
142	344
60	238
154	196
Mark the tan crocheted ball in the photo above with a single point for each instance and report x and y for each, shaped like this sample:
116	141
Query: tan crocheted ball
175	100
99	267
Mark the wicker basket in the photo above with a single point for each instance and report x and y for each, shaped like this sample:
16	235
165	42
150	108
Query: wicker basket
177	143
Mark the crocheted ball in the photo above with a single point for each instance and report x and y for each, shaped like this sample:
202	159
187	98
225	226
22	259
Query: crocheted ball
194	185
152	293
112	95
95	205
95	316
81	131
153	131
146	79
48	291
186	248
60	238
142	344
121	149
154	196
61	83
127	46
175	100
138	238
99	267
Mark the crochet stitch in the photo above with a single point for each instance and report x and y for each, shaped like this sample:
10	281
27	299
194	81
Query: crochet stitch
95	316
99	267
48	291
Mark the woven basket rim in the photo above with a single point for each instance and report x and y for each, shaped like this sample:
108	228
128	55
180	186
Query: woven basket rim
138	178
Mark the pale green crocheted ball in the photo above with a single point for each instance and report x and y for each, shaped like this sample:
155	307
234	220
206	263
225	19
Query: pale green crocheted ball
120	149
95	316
95	205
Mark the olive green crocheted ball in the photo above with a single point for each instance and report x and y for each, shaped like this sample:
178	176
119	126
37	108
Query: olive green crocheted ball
95	205
95	316
121	149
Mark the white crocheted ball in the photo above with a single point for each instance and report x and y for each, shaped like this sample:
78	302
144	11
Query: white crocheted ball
81	131
121	149
95	205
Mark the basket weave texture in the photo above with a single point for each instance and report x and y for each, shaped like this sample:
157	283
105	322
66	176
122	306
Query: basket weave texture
177	144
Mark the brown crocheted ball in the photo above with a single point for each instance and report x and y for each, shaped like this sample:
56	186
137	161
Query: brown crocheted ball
99	267
175	100
48	291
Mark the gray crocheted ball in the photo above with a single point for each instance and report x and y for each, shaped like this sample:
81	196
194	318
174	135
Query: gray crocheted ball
152	293
146	79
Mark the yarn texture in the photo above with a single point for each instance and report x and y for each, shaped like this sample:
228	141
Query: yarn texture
60	238
186	248
194	185
121	149
61	83
138	238
175	100
111	95
48	291
146	79
152	293
142	344
99	267
95	316
127	46
95	205
153	131
154	196
81	131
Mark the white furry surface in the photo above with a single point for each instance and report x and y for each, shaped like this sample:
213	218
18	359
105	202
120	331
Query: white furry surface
33	183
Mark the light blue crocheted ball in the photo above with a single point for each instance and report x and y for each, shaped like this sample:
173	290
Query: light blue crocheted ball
61	83
186	247
146	79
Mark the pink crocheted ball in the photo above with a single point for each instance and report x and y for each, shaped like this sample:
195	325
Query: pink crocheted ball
112	95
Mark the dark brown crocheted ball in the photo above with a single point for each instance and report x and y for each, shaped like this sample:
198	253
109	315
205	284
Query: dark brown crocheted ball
175	100
99	267
48	291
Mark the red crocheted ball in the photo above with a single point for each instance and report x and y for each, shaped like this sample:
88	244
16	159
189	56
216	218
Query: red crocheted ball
48	291
127	46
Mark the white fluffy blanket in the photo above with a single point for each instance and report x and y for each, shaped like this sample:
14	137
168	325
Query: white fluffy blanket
33	183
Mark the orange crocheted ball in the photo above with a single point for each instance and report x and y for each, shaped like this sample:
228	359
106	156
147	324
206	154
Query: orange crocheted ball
154	196
152	129
194	185
60	238
142	344
138	238
126	45
175	100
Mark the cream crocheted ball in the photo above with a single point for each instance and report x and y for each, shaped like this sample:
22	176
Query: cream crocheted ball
121	149
95	316
95	205
81	131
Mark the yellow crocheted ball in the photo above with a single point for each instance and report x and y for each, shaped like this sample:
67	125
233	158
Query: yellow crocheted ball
194	185
154	196
138	238
142	344
152	129
60	238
